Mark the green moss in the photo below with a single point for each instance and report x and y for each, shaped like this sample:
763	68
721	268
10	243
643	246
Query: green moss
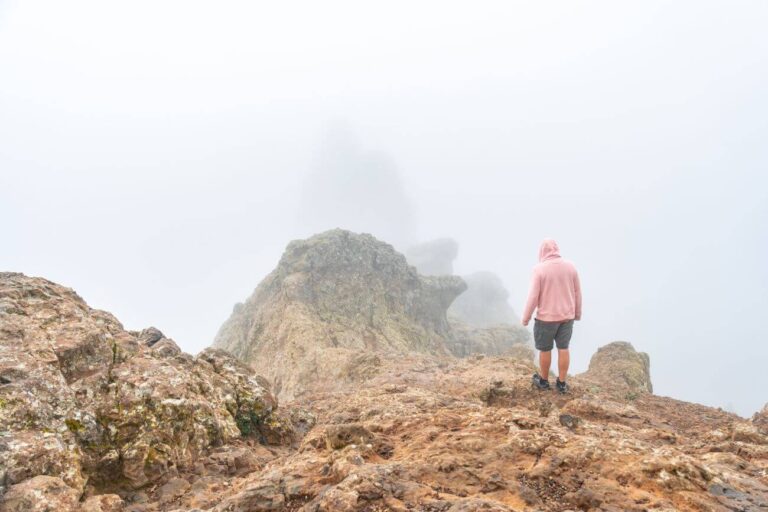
3	403
249	422
115	353
244	424
151	456
74	425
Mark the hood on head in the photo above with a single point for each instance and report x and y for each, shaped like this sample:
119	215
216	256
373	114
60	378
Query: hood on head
548	250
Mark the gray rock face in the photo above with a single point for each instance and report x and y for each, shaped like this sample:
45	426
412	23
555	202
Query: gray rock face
331	297
81	399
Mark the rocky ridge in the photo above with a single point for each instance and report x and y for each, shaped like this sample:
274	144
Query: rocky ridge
335	301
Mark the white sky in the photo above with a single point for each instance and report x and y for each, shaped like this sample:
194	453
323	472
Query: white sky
154	156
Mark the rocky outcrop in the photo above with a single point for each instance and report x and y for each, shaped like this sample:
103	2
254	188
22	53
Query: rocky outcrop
335	299
620	367
87	407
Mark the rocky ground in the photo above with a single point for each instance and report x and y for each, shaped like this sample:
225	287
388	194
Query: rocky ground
472	435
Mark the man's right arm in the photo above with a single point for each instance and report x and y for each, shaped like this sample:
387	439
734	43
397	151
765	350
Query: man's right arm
533	297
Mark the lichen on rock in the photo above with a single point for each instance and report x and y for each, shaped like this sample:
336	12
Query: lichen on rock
83	400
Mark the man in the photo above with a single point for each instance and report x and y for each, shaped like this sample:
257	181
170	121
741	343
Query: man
555	294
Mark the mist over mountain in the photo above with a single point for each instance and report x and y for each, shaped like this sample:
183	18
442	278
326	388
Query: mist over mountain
434	258
163	175
485	303
271	256
357	189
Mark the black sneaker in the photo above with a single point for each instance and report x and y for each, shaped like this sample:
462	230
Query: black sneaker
561	386
540	383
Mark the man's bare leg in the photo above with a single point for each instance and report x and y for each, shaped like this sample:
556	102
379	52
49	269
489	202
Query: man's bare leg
563	361
545	361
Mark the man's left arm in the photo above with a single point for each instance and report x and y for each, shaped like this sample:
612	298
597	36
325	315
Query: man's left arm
577	292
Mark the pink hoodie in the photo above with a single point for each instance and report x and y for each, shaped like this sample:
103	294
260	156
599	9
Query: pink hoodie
555	288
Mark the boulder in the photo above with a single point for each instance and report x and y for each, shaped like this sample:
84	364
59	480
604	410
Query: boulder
40	494
103	503
150	336
28	453
619	366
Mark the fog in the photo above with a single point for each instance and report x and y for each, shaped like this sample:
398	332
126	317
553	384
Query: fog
158	156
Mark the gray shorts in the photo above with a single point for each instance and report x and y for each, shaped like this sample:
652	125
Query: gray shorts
544	333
